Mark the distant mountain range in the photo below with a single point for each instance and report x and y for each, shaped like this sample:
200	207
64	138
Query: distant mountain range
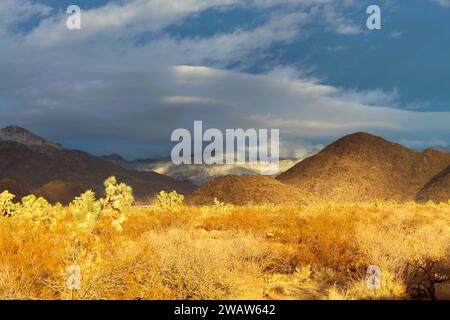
362	167
197	174
437	189
32	164
357	167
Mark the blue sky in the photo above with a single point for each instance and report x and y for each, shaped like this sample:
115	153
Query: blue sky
141	68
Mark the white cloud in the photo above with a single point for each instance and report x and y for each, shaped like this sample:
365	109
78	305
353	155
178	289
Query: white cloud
396	34
99	86
234	46
421	144
444	3
126	20
16	11
186	100
121	20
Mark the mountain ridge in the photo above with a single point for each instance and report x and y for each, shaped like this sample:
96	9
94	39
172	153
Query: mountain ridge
361	167
357	167
437	189
245	190
23	136
33	162
197	174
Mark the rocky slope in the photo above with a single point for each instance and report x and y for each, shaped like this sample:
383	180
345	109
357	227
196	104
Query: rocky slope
437	189
362	167
33	162
241	190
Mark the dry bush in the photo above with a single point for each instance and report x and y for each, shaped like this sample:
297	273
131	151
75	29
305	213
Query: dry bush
413	245
195	265
220	252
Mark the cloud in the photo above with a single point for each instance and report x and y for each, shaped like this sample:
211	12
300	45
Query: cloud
396	34
234	46
422	144
340	24
103	91
444	3
125	20
17	11
133	107
122	19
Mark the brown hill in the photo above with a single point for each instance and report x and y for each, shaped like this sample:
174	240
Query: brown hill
33	162
13	187
438	189
61	191
245	190
362	167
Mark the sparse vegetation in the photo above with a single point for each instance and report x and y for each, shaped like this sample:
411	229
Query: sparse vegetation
173	251
169	201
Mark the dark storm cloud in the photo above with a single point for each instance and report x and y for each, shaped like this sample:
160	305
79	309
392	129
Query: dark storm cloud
103	91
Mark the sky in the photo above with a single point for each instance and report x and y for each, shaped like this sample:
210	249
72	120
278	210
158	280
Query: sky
139	69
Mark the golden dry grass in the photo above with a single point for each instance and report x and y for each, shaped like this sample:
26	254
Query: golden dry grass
225	252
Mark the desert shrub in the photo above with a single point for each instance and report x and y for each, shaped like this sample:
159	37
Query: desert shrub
6	204
85	211
197	266
239	218
221	207
392	287
35	209
118	197
169	201
252	252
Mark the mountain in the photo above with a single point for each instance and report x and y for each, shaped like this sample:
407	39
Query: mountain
33	162
242	190
197	174
26	138
437	189
13	187
62	191
117	159
358	167
443	148
363	167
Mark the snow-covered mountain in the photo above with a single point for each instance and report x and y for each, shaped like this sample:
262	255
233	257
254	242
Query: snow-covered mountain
197	174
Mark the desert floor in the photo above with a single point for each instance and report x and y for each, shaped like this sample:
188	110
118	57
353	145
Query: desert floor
171	251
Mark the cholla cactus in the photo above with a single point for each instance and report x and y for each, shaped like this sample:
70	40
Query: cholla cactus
431	204
85	210
221	207
118	196
34	208
169	201
6	204
378	204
